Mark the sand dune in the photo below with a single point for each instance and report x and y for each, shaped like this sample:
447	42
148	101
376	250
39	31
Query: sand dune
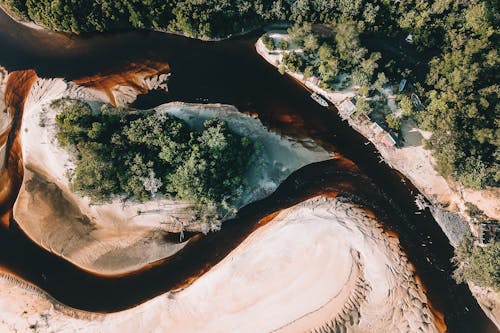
322	265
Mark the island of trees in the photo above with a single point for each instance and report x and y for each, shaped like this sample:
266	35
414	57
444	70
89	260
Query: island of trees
146	154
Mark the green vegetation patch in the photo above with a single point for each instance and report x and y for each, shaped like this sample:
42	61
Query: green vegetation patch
478	264
148	153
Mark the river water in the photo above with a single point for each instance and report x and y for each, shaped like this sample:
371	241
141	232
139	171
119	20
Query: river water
229	72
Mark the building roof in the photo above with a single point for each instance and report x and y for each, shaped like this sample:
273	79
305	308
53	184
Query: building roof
314	80
347	108
388	140
362	118
376	128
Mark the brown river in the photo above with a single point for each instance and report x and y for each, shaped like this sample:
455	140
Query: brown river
228	72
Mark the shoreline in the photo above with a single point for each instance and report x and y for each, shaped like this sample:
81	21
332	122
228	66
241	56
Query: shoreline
37	26
416	164
28	24
362	286
390	155
121	237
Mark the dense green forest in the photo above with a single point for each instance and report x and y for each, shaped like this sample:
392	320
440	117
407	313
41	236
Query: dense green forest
456	47
142	155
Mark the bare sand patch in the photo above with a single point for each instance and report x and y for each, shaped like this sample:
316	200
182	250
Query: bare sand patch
323	263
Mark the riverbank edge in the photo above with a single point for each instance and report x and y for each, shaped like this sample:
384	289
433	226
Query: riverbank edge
224	108
265	25
401	269
14	280
435	207
20	20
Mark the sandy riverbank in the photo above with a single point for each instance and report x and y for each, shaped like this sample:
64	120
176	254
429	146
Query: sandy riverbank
122	236
418	165
341	268
415	162
29	24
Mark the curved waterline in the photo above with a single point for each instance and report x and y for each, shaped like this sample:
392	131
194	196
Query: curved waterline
230	72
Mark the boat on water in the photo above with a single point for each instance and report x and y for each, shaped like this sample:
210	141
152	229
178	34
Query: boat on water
320	100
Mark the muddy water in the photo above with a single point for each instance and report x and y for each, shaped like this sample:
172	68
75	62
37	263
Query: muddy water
229	72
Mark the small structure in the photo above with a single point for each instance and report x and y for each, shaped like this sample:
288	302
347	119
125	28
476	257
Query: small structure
402	85
376	128
347	108
314	80
363	119
489	232
409	39
388	140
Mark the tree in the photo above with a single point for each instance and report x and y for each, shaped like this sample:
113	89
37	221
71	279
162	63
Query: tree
295	62
381	81
268	42
74	123
362	107
282	69
213	171
283	44
310	43
369	65
151	183
348	44
325	52
393	121
406	105
139	155
364	91
477	264
308	72
370	13
298	33
329	65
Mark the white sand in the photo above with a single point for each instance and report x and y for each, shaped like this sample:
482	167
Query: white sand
118	236
322	262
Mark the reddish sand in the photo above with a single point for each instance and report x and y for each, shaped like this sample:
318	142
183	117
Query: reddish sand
130	77
18	86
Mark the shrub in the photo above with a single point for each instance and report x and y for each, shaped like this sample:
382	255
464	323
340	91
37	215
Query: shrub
477	264
268	42
283	44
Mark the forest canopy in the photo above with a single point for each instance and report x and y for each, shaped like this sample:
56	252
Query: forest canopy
456	42
146	154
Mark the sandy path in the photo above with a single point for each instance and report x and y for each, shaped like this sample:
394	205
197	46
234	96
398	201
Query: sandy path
320	264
